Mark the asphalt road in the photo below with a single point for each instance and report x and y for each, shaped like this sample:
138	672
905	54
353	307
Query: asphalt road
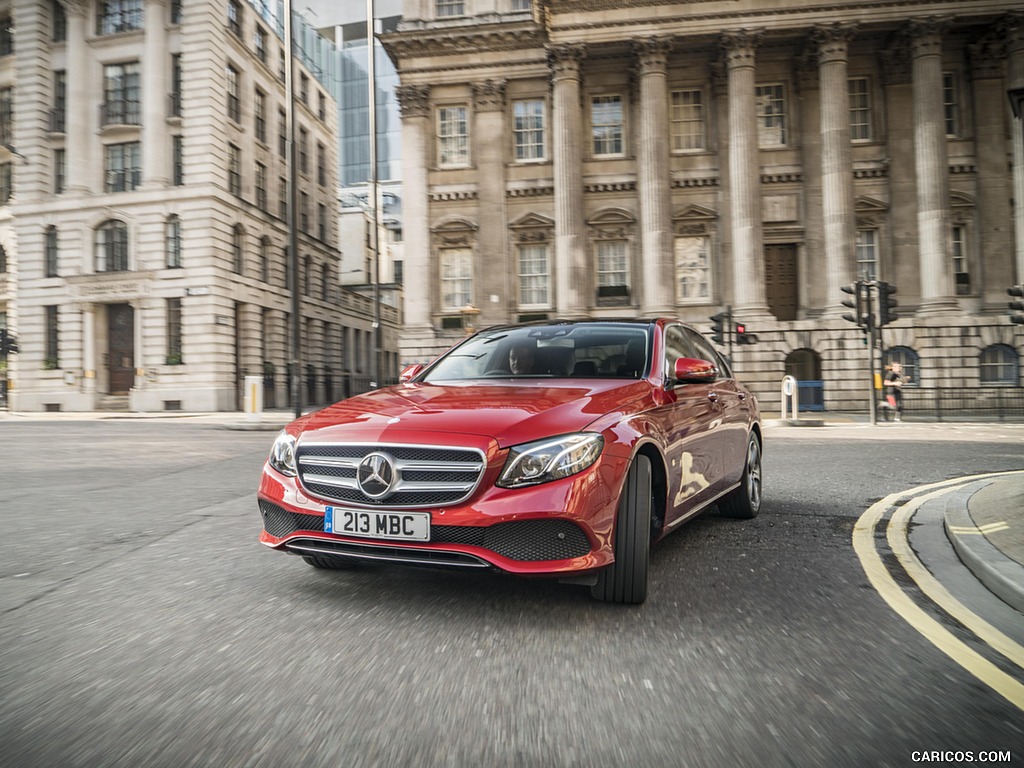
141	624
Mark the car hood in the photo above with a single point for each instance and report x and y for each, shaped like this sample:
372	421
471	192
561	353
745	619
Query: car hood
510	415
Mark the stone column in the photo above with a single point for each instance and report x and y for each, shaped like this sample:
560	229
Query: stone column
491	270
155	153
744	175
571	297
414	102
932	171
836	161
654	179
1014	26
80	120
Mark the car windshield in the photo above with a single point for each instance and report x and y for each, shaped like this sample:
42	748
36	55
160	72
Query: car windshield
590	350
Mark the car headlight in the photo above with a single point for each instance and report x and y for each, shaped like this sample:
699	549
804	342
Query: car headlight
546	460
282	455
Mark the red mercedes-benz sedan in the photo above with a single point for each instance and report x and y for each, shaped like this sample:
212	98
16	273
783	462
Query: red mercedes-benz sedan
559	449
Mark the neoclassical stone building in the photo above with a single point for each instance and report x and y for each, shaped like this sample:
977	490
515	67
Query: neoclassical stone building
632	157
144	210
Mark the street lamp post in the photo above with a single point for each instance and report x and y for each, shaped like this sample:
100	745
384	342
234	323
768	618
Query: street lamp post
374	212
293	238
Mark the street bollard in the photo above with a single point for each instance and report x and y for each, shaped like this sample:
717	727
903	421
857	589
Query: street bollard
789	397
253	398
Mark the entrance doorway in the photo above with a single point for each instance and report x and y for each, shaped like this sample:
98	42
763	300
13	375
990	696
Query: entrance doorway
120	348
780	281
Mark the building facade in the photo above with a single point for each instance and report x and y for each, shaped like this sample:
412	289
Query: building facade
146	224
569	158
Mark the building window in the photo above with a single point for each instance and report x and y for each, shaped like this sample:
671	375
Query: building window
325	281
259	111
282	133
304	88
174	107
303	150
687	120
860	109
961	274
3	270
771	115
235	170
452	136
234	94
235	18
6	36
520	5
119	16
447	8
50	248
321	164
693	269
265	259
534	276
174	332
6	183
58	22
307	276
949	104
122	103
456	278
175	11
281	73
238	249
124	166
6	115
112	246
528	129
58	115
1000	365
612	269
303	212
259	42
60	164
51	360
321	222
606	124
866	248
177	161
908	359
282	199
172	244
321	106
261	186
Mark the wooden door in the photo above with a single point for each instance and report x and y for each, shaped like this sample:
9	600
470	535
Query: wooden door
780	278
120	348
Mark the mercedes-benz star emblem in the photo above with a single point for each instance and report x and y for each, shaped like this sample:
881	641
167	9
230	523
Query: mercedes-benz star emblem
376	475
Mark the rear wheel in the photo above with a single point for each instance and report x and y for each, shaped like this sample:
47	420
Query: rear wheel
745	501
625	580
329	563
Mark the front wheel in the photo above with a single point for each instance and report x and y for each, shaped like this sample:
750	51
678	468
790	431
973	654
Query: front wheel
745	501
625	580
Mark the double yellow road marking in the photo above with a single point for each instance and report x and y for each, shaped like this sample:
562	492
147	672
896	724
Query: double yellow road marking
932	630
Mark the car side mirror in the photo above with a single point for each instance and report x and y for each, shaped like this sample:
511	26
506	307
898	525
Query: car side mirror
410	372
690	370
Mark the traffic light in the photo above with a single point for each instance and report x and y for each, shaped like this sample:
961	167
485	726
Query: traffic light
857	303
742	337
720	327
8	342
1017	290
886	304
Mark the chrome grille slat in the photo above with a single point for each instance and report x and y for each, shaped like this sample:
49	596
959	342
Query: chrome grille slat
427	476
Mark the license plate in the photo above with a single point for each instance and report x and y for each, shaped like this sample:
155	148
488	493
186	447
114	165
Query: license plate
411	526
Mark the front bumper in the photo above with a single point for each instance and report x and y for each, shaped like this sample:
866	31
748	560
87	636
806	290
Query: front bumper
561	527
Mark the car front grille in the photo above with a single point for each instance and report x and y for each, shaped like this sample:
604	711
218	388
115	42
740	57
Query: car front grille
424	476
523	540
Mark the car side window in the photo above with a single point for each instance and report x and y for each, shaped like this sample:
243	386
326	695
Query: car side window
705	351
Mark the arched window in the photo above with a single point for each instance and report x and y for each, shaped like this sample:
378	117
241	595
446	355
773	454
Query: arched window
173	234
1000	365
265	259
50	251
910	361
238	248
112	246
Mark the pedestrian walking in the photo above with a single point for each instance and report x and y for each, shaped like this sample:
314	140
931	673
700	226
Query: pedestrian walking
894	381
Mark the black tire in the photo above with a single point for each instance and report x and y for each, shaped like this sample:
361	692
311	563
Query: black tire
625	580
745	502
327	563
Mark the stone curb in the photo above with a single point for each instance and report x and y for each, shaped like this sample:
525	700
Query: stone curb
1001	575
